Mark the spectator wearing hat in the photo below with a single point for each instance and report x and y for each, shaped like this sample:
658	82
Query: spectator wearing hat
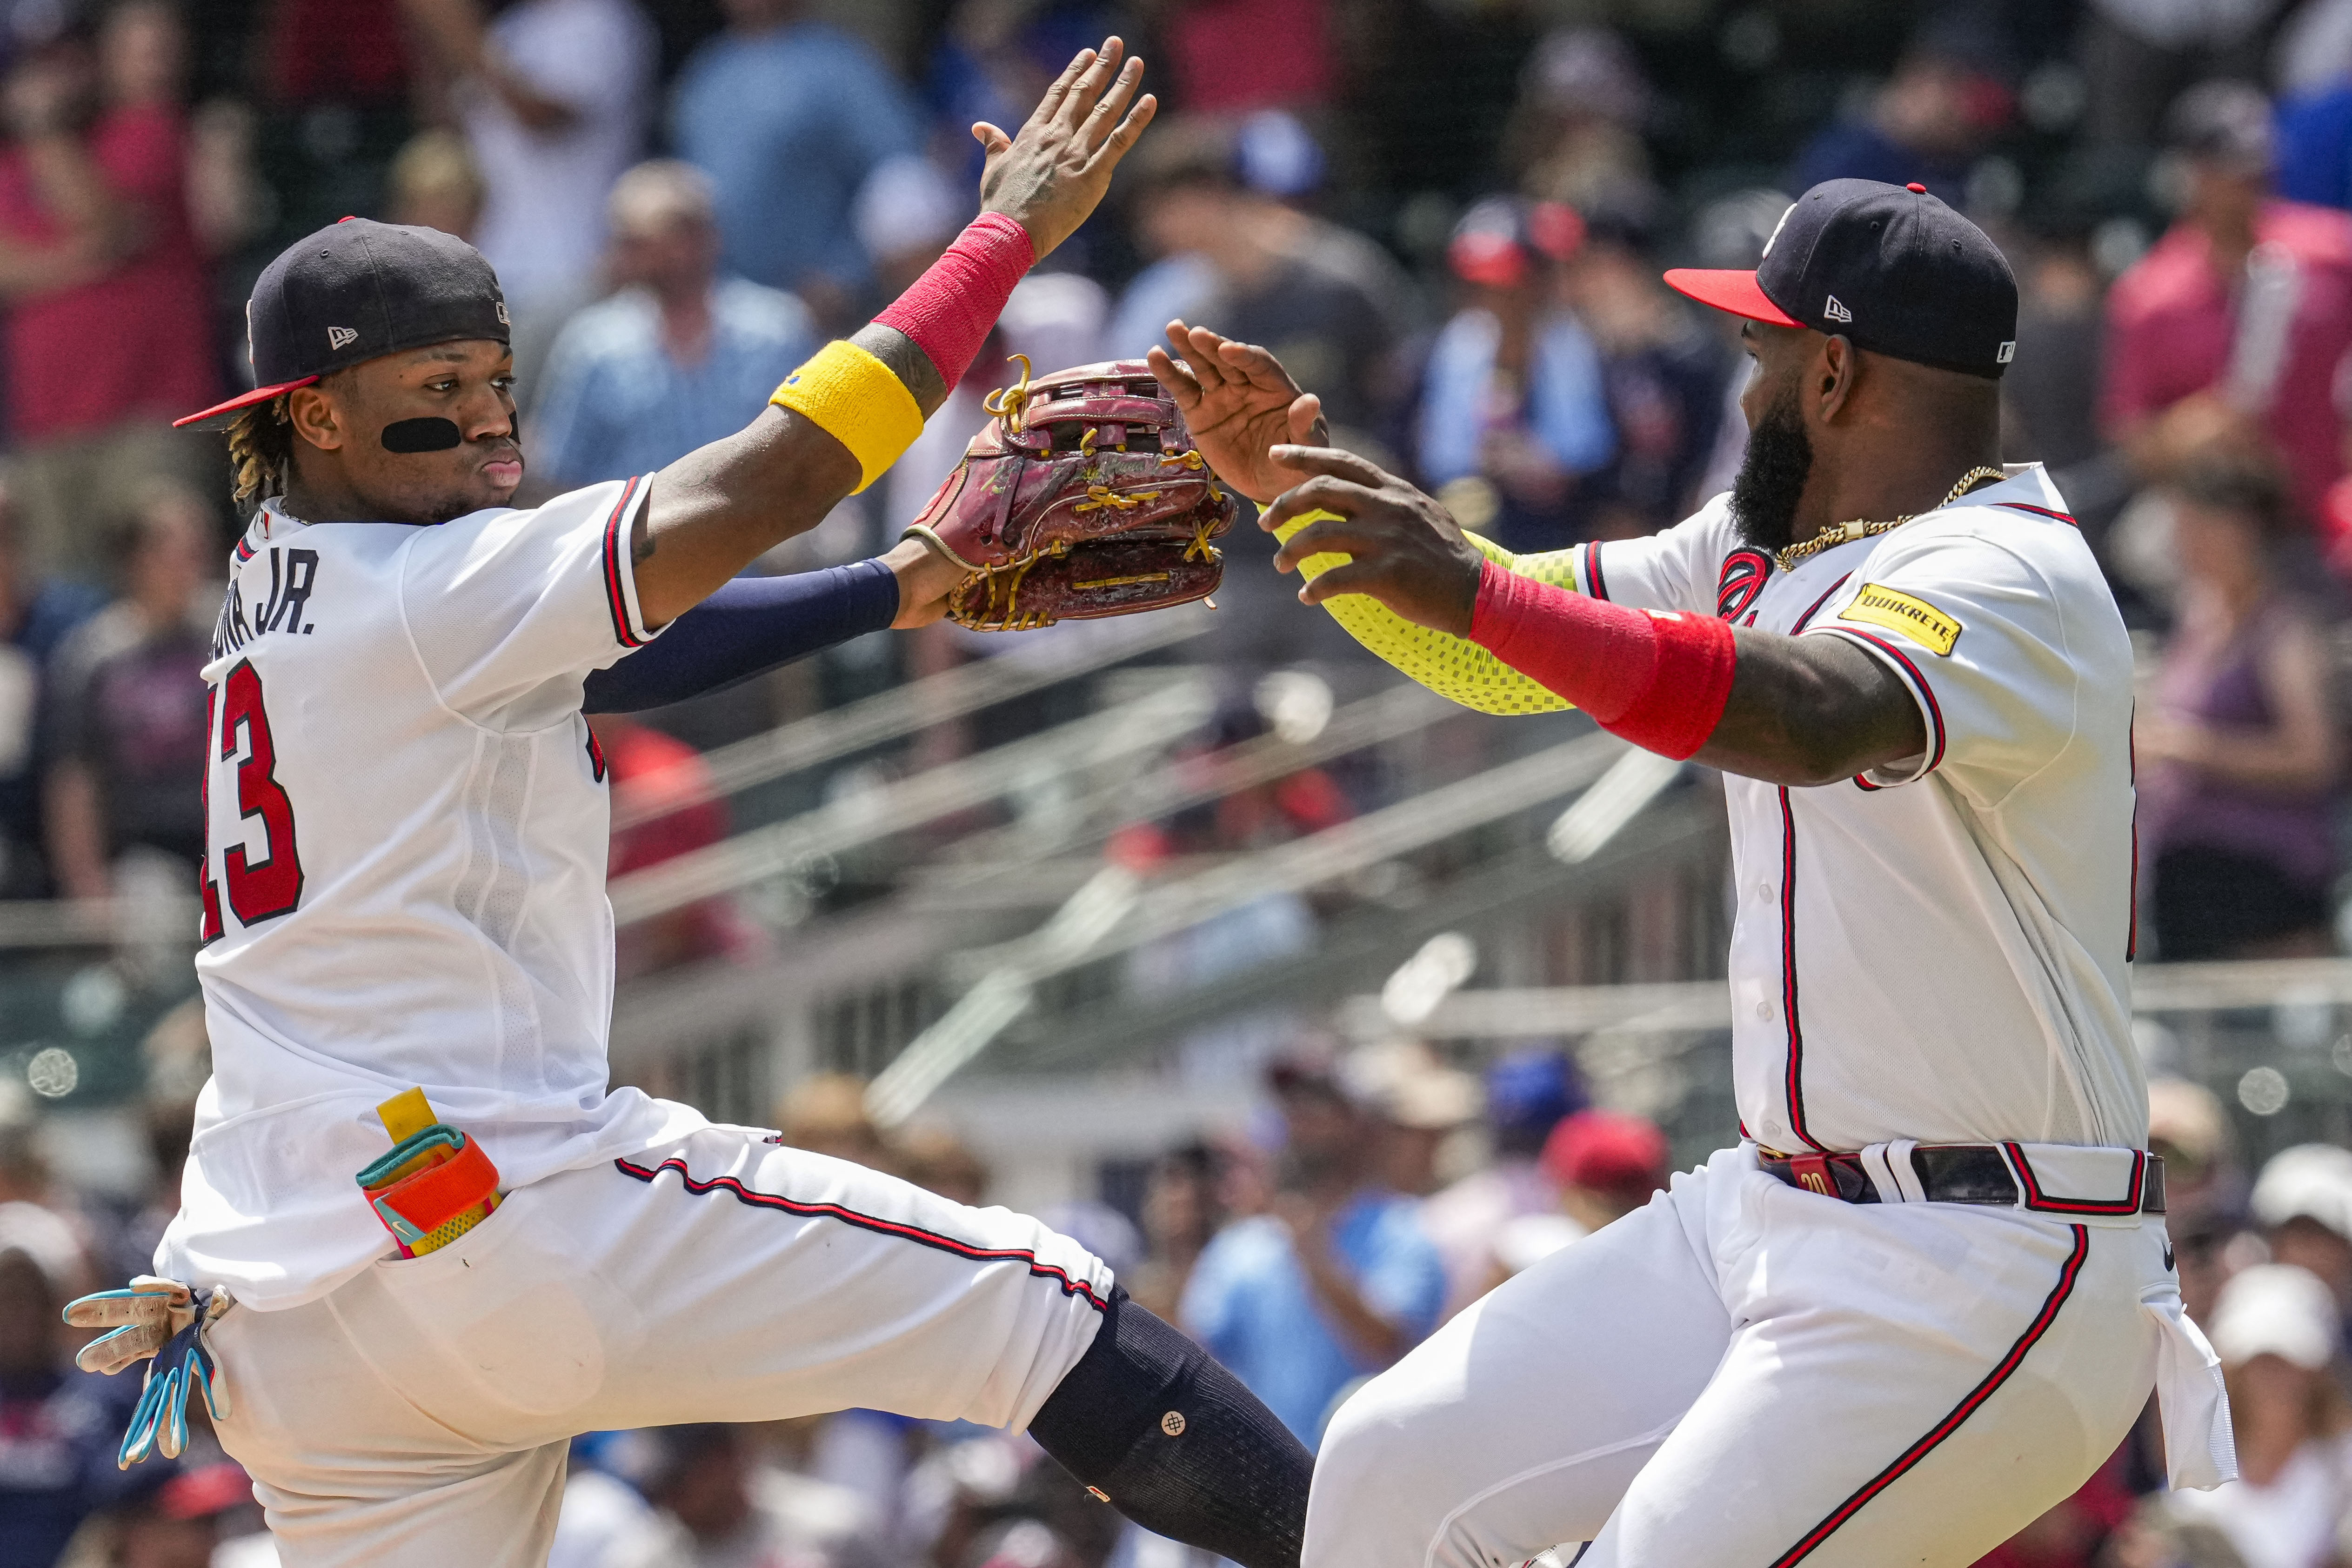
1606	1163
2241	312
2239	751
2303	1201
1333	1285
1527	1094
788	115
669	362
60	1426
1418	1104
2277	1329
1513	412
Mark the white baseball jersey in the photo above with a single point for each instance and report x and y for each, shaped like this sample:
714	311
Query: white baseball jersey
404	877
1938	950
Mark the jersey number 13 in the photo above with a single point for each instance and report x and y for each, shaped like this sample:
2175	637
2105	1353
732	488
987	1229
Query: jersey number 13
264	878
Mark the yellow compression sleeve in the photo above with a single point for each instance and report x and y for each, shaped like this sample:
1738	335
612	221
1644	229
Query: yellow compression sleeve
855	398
1450	666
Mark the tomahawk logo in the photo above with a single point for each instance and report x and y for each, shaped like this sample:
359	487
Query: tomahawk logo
1834	309
339	337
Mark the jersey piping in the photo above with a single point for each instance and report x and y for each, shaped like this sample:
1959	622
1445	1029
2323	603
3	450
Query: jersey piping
616	584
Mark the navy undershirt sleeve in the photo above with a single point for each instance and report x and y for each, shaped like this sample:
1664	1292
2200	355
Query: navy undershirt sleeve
752	625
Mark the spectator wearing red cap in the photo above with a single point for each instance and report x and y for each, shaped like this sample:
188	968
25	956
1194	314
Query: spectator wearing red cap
1513	411
1607	1165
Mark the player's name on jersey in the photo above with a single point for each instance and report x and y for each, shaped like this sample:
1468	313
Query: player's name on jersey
293	574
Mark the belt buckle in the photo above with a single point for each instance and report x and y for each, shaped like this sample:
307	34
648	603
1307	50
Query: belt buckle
1812	1172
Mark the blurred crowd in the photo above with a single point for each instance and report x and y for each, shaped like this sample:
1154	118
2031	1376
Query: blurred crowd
1447	217
1358	1200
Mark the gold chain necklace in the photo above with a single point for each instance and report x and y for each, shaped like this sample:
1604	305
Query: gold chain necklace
1857	528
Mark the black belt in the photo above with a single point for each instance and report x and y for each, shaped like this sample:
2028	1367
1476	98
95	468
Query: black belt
1949	1173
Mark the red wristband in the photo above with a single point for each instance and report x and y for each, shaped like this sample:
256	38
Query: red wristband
1659	680
949	310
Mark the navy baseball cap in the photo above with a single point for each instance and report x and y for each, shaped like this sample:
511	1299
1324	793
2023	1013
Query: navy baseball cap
1888	266
356	290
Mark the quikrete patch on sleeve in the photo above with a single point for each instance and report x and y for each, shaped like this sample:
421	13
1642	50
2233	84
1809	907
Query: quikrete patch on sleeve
1915	618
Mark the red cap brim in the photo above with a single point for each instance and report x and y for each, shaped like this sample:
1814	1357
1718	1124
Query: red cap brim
1729	289
222	413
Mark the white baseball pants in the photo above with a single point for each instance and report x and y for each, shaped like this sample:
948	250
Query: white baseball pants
420	1413
1743	1374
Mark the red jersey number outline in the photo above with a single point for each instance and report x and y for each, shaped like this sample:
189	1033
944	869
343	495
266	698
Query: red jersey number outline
258	893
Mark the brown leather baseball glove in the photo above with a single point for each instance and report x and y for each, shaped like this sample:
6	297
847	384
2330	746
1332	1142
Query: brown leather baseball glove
1082	498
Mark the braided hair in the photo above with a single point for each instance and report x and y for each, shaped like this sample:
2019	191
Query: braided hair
260	452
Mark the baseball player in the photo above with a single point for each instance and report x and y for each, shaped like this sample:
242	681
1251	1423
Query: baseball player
1930	1290
406	938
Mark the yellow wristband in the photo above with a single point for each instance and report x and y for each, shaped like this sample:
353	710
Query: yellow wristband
1450	666
853	397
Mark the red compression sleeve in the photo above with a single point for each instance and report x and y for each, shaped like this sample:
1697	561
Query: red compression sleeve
1659	680
949	310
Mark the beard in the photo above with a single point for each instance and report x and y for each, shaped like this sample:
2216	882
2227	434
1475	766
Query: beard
1772	475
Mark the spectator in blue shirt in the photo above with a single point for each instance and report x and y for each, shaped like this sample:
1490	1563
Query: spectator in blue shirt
788	117
1332	1286
679	358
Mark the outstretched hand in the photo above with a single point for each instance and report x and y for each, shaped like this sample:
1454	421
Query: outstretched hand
1403	548
1049	177
1239	402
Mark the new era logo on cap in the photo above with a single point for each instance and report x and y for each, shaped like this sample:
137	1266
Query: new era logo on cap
1835	310
339	338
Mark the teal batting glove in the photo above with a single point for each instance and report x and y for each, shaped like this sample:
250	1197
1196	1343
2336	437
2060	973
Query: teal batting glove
168	1321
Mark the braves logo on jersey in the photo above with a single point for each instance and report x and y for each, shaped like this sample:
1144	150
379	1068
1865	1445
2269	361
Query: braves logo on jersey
1744	574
